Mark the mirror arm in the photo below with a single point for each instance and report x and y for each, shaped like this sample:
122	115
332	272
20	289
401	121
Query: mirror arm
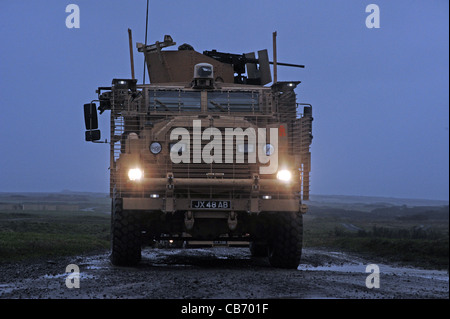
101	142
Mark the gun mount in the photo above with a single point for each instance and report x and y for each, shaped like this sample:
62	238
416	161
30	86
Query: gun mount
176	66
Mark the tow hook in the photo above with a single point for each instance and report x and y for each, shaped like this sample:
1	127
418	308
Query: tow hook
189	220
232	221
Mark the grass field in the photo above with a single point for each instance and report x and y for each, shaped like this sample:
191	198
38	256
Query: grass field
50	234
46	234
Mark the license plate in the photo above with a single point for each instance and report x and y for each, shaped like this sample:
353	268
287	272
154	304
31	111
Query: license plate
211	204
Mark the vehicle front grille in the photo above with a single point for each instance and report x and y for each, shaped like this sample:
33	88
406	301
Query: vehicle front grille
215	170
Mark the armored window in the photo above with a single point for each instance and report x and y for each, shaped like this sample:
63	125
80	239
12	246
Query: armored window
176	100
225	101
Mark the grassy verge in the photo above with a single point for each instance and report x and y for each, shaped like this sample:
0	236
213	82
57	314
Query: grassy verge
43	234
393	241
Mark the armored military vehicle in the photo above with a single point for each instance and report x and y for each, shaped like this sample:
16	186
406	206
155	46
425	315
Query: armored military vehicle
211	149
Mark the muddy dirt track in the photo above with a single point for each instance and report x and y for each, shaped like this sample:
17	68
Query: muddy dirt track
218	273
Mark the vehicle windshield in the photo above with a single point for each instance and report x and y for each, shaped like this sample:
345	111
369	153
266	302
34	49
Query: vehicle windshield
174	100
225	101
218	101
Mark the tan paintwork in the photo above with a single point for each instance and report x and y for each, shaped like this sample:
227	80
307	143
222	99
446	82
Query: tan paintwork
177	66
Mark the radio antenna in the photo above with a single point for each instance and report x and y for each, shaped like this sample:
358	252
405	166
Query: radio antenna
146	28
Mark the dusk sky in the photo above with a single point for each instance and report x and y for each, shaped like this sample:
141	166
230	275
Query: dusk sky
380	95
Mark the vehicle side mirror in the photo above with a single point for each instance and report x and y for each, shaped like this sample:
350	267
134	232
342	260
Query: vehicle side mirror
91	122
90	116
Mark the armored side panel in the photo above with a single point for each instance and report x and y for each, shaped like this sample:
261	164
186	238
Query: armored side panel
178	66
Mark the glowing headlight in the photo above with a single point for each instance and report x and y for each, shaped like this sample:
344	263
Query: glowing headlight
155	148
284	175
135	174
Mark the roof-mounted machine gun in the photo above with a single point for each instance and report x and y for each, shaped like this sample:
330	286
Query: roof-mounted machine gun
255	75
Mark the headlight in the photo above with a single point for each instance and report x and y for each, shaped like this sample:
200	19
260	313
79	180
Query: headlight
135	174
155	148
284	175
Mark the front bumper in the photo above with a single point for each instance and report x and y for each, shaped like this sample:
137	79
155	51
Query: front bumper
251	205
255	203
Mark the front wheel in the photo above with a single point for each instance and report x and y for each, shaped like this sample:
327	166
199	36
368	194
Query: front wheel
125	236
286	240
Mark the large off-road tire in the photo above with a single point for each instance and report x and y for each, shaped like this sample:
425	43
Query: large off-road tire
286	240
258	249
125	236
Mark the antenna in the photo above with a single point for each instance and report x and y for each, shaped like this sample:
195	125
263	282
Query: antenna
274	39
130	43
146	28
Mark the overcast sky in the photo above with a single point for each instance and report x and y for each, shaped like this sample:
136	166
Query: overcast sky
380	95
